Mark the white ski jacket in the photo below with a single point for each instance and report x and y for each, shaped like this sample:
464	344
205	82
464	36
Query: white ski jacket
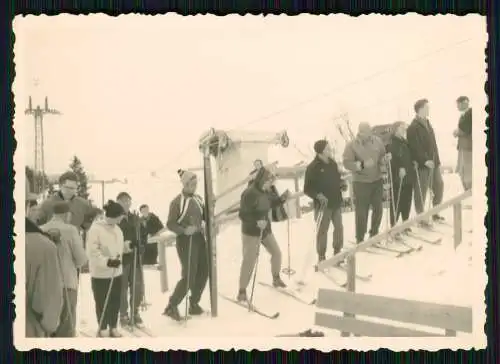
104	242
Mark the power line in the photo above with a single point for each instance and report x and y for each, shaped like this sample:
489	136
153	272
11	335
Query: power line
332	91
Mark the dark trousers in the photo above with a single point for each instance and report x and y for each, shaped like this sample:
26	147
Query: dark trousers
198	269
402	207
428	178
366	195
334	216
100	287
128	292
67	319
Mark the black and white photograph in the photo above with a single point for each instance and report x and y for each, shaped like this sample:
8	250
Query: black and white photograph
250	182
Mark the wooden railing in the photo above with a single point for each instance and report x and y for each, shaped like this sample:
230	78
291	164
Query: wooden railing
446	317
370	329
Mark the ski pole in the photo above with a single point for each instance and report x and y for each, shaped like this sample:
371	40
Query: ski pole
422	200
188	285
106	301
66	296
261	236
392	203
289	271
399	195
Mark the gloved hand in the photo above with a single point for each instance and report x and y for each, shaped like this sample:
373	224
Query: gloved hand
190	230
321	199
343	186
114	263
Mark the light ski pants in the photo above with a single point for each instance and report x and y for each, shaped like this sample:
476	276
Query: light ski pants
251	246
428	177
464	168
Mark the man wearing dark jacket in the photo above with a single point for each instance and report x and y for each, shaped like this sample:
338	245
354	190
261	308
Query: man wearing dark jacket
464	145
403	174
151	226
425	154
186	219
131	263
323	183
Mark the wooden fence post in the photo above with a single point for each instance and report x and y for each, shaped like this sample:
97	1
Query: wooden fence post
457	224
162	260
351	283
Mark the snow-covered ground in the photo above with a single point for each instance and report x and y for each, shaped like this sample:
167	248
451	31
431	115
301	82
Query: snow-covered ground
435	274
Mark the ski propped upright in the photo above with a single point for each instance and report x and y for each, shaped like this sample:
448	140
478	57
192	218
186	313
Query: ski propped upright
290	293
252	307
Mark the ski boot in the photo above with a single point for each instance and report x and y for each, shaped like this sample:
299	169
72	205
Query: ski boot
114	333
173	313
195	309
320	259
437	218
102	333
138	321
278	283
397	238
242	296
124	320
407	231
425	225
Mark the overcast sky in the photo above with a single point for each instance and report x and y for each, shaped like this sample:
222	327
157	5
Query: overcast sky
137	92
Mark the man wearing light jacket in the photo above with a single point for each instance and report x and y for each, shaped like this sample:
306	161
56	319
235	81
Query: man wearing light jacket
366	158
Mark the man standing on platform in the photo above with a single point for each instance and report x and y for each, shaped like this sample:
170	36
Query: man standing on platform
323	184
464	145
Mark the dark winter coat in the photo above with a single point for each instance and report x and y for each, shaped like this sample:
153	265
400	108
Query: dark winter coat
129	225
278	212
186	210
152	224
256	205
422	142
401	158
81	210
465	131
324	178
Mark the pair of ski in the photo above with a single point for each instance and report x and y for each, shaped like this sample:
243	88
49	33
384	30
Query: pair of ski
343	283
291	293
138	331
251	307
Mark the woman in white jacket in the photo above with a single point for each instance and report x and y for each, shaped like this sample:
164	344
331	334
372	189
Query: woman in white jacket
105	249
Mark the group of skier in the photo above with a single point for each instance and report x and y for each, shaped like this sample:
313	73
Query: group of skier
116	242
113	246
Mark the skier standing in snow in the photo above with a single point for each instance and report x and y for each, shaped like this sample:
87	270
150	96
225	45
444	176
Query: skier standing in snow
132	277
186	218
425	154
278	211
72	257
366	158
324	185
44	289
105	246
151	226
255	206
464	145
403	175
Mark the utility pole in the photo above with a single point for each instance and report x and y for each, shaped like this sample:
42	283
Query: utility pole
38	114
103	184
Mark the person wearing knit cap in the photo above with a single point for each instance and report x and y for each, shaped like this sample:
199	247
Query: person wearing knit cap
366	158
44	289
72	257
324	185
105	245
255	206
186	219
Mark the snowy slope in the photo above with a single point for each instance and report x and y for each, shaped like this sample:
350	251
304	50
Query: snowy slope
436	274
